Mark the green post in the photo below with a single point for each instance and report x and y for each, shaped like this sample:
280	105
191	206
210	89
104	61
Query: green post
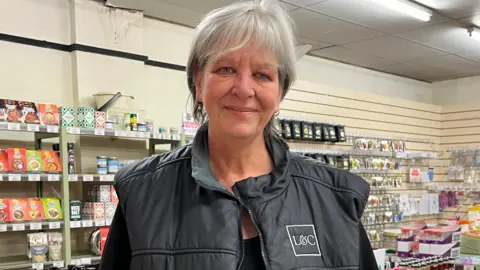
67	241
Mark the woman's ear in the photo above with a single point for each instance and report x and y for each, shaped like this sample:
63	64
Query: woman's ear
198	79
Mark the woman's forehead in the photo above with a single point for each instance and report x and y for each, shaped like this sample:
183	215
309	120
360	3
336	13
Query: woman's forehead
255	54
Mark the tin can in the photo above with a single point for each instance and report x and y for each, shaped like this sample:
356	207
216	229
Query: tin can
102	170
112	164
102	161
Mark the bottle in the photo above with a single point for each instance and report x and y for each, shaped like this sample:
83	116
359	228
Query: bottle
133	122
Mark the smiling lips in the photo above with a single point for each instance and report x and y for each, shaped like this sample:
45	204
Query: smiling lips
240	109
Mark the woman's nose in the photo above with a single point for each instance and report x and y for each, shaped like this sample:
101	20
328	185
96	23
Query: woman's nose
243	86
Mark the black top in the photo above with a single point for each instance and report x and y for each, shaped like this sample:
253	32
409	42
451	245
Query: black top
252	257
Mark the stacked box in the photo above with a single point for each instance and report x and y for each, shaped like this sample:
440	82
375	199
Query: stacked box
100	119
75	210
110	208
86	117
98	211
67	116
113	197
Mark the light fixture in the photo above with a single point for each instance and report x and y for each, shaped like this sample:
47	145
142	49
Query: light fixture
408	8
474	33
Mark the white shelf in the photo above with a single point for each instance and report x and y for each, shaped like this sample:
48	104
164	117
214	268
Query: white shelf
31	226
122	134
4	126
30	177
91	178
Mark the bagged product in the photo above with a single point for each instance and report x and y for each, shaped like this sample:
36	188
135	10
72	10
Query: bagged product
52	208
55	241
34	161
35	209
16	160
37	247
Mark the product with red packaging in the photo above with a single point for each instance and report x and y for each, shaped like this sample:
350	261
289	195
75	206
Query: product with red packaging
103	238
113	197
4	210
3	160
30	112
19	210
51	162
12	110
35	209
49	114
16	159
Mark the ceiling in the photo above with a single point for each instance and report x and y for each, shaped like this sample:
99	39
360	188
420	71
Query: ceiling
362	33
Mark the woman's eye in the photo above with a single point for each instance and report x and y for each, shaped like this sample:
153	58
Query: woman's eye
225	70
263	76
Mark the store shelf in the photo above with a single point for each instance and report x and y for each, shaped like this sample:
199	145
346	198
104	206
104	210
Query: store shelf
22	262
369	171
465	259
30	177
90	178
338	152
122	134
31	226
84	258
4	126
75	224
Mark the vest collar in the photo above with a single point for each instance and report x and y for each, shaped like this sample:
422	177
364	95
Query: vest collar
260	187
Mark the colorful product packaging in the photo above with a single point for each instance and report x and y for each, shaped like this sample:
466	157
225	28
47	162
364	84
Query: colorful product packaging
52	208
51	162
49	114
13	112
100	119
34	161
67	116
30	112
4	210
3	160
113	195
103	238
99	211
76	210
35	209
16	159
86	117
18	210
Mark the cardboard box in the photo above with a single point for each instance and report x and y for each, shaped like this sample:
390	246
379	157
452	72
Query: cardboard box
30	112
51	162
88	211
98	211
35	209
19	210
76	210
5	210
86	117
67	116
103	238
110	208
100	119
16	160
49	114
113	197
3	160
52	208
34	161
104	193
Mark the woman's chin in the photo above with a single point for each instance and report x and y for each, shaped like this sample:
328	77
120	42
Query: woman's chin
241	131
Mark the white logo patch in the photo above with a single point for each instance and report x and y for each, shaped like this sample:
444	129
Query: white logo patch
304	240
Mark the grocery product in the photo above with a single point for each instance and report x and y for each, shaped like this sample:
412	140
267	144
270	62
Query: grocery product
102	170
3	160
30	112
16	160
34	161
4	210
49	114
51	162
55	241
86	117
100	119
102	161
37	247
112	164
35	209
18	210
67	116
52	208
76	210
13	112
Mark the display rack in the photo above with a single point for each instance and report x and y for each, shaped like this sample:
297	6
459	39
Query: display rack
64	134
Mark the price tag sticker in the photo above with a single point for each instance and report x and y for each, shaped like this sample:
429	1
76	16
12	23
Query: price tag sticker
73	130
1	177
99	132
146	135
13	126
75	262
75	224
18	227
34	177
14	177
166	136
54	225
99	223
52	129
59	264
37	266
53	177
106	178
3	227
87	223
33	127
132	134
120	133
139	134
85	261
108	222
73	178
88	178
36	226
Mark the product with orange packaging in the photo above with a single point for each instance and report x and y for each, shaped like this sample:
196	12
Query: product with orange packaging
51	162
113	196
98	211
49	114
12	110
103	238
3	160
16	159
19	210
35	209
4	210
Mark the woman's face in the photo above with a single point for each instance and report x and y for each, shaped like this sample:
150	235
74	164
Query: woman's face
240	92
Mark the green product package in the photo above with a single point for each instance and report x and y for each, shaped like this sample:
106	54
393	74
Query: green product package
67	116
86	117
52	208
34	161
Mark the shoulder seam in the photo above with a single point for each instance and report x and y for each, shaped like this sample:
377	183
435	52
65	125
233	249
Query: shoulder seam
306	177
156	168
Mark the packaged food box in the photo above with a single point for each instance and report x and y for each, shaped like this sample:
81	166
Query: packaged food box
67	116
51	162
100	119
52	208
98	211
18	210
105	193
13	112
3	160
16	159
49	114
35	209
86	117
110	208
34	161
30	112
4	210
113	195
3	111
76	210
103	238
88	211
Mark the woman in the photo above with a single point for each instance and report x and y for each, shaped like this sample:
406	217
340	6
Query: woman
237	198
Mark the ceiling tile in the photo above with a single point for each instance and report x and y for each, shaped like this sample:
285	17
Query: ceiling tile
472	20
202	6
451	64
315	44
450	36
473	55
453	8
351	57
367	13
394	49
288	6
327	29
302	3
415	72
173	13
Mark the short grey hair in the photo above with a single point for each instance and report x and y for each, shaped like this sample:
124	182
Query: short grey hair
233	27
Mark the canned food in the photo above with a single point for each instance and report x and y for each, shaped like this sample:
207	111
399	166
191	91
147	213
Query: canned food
102	161
142	127
112	164
102	170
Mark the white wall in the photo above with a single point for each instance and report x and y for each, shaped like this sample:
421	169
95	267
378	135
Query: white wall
457	92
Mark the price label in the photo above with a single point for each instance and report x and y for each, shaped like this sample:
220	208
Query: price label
75	262
53	177
73	130
469	267
120	133
106	178
73	178
85	261
18	227
52	129
33	128
34	177
87	223
132	134
99	223
75	224
35	226
59	264
14	177
13	126
88	178
54	225
108	222
99	132
1	177
139	134
3	227
146	135
166	136
37	266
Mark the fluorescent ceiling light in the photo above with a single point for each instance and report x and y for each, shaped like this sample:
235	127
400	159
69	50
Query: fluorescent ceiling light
408	8
474	33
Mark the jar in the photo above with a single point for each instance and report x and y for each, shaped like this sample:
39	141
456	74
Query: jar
102	161
102	170
142	127
109	124
112	165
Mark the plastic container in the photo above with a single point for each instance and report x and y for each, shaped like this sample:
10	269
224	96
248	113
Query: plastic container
102	170
124	101
109	124
142	127
102	161
112	164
